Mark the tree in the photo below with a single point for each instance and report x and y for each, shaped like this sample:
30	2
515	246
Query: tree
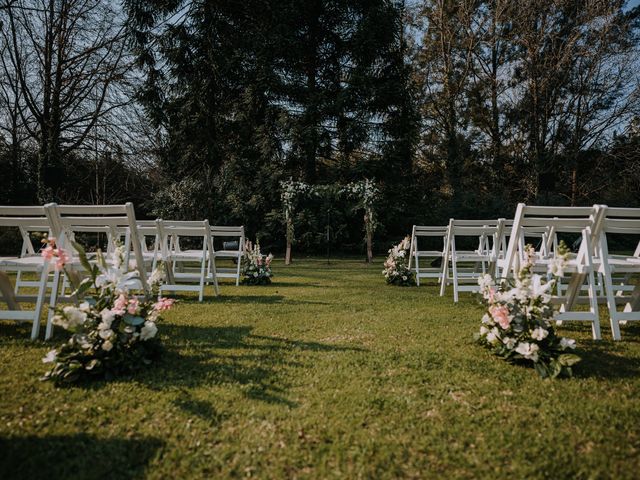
69	58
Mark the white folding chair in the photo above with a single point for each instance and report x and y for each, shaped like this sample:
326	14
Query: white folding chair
582	221
487	233
181	276
230	250
620	222
421	235
25	219
68	220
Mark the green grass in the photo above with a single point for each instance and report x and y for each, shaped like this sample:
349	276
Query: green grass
327	373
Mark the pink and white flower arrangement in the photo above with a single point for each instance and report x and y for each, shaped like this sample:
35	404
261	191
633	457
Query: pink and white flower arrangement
113	330
518	323
396	266
256	267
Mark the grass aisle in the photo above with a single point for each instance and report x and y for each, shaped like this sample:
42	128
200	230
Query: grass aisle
328	373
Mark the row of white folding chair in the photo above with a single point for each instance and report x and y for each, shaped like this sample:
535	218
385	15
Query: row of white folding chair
227	251
62	222
488	234
421	235
180	274
582	221
27	219
619	222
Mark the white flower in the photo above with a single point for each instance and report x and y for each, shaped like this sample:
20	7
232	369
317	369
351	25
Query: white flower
486	319
50	357
484	330
539	289
114	277
557	266
60	321
117	258
404	277
485	281
107	345
107	317
509	342
74	316
567	343
85	307
528	351
157	277
105	333
149	330
493	336
539	333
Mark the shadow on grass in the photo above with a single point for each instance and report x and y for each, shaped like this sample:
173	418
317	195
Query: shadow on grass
75	456
257	364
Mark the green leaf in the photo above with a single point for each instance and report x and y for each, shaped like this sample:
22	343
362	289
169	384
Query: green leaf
85	285
568	359
82	255
133	320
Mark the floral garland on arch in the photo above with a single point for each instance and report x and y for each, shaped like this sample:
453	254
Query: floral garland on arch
518	323
365	192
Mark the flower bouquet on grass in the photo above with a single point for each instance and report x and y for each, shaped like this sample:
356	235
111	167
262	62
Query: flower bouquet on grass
112	330
518	325
256	267
396	266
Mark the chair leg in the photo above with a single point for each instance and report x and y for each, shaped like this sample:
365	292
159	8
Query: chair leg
593	299
42	295
52	304
454	268
238	272
417	272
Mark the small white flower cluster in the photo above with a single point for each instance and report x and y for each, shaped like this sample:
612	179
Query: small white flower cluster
396	266
518	322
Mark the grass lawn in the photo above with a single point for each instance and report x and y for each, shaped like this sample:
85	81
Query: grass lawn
327	373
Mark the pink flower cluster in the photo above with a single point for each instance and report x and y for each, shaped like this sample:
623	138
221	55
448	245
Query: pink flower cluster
124	305
163	304
52	253
501	315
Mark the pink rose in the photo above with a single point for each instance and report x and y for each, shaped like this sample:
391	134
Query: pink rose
133	306
163	304
501	315
120	305
62	258
47	253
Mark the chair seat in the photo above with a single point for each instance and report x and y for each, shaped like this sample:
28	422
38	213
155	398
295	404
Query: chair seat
188	255
228	253
428	253
35	262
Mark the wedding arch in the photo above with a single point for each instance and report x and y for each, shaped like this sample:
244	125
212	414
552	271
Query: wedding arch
364	192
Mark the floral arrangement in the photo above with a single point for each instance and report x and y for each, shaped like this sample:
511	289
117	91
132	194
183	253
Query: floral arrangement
256	267
518	324
396	266
112	331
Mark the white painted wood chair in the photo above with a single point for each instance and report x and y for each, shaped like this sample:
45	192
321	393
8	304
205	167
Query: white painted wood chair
620	222
68	220
181	276
27	261
465	279
231	250
583	221
425	235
